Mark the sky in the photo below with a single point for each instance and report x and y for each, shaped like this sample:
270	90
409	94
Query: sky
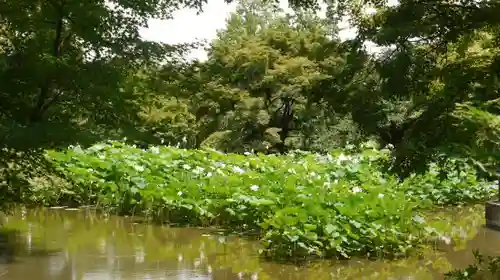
186	26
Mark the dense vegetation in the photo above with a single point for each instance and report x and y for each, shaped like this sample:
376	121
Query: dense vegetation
301	204
483	268
272	82
76	72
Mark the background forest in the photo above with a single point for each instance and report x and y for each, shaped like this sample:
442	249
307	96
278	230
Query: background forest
79	72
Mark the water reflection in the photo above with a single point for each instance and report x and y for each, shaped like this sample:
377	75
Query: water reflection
82	245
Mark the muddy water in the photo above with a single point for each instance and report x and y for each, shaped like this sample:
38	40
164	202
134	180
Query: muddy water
82	245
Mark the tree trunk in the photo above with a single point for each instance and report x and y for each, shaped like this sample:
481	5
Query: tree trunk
286	120
42	105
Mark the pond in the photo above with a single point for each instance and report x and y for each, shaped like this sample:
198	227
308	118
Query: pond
80	244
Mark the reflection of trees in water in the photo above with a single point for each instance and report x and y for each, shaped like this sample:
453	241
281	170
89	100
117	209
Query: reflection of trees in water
16	248
100	247
8	245
13	246
110	248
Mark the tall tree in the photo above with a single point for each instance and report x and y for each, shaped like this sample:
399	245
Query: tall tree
63	61
445	63
266	78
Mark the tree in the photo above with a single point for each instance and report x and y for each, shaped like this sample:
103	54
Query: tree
266	79
444	64
64	62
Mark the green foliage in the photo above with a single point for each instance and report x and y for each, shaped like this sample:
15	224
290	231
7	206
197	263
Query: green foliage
64	65
276	81
302	204
75	72
483	268
480	132
27	177
436	183
444	65
264	83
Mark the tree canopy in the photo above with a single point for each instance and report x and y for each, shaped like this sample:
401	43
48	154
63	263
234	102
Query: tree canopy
75	71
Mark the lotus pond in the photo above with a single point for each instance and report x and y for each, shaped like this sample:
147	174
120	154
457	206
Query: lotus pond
299	206
84	244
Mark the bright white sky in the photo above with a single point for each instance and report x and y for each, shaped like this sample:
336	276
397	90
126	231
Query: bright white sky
186	26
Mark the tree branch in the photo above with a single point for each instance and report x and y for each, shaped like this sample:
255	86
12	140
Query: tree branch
40	106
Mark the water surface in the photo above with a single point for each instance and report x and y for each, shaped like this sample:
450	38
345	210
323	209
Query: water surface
61	244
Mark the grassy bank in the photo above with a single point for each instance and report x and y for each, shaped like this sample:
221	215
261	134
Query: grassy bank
302	204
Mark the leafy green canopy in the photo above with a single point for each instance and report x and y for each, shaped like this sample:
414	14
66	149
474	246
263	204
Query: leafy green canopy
79	72
444	62
63	64
267	85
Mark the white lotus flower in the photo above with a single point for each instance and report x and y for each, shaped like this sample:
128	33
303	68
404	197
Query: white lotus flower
356	190
237	169
139	168
155	150
343	157
418	219
198	170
